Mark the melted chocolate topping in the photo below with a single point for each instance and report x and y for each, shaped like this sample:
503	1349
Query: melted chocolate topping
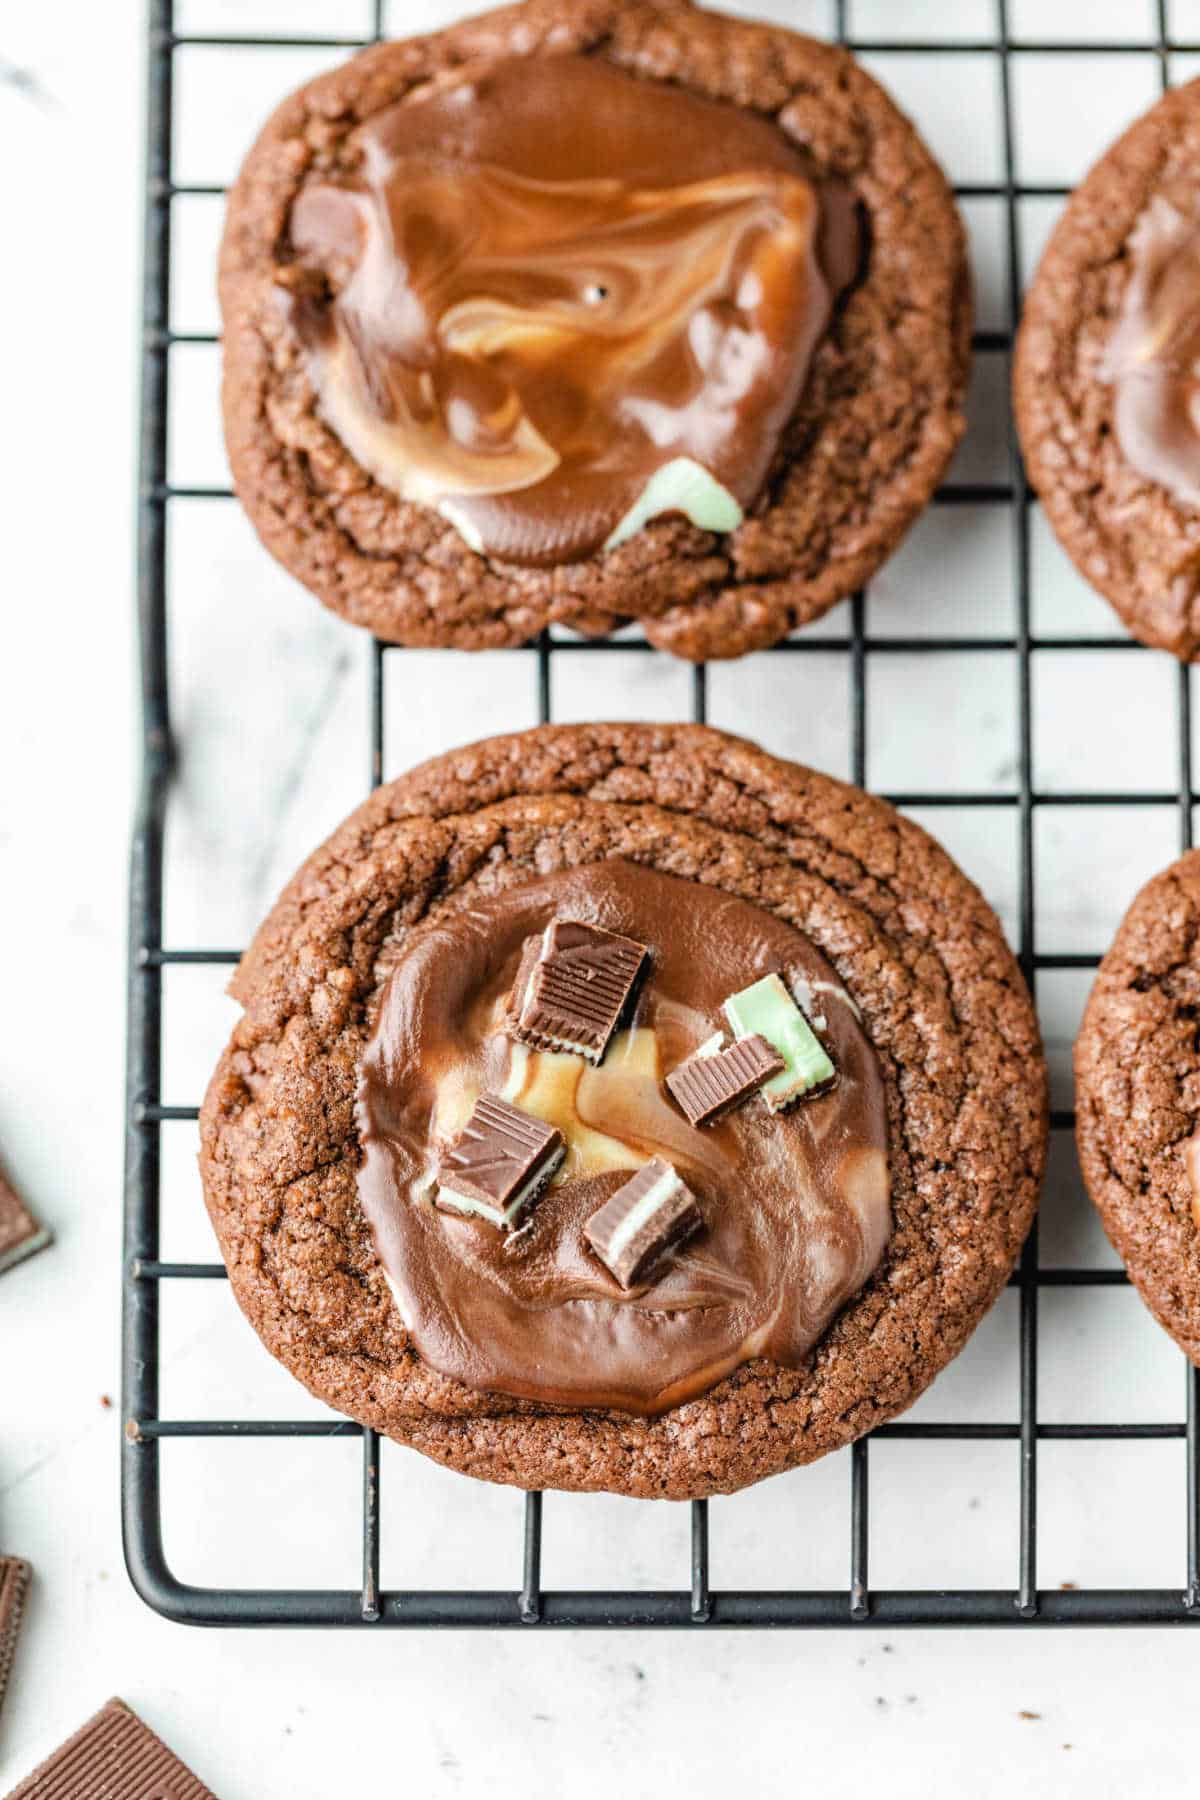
1153	358
796	1206
548	279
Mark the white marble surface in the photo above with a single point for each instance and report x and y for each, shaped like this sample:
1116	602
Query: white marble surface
270	697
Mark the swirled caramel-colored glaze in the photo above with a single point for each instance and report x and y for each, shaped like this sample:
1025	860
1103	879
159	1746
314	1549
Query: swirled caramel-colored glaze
547	281
1153	356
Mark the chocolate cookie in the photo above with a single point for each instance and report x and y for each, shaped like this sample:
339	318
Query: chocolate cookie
1105	378
1137	1073
386	991
589	310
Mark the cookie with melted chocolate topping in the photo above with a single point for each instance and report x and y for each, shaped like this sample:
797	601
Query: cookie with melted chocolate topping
664	278
1105	382
913	945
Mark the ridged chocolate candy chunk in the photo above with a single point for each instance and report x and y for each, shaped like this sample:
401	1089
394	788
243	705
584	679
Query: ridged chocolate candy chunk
14	1585
113	1757
20	1233
570	995
709	1084
643	1222
500	1163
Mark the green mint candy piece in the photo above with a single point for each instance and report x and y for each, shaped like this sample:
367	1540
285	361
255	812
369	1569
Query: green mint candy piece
768	1009
681	486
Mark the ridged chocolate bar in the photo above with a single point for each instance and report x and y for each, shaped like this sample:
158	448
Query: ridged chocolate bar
638	1225
113	1757
14	1586
570	995
20	1233
500	1161
707	1086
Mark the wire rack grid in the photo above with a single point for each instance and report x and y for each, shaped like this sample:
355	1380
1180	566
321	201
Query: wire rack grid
525	1602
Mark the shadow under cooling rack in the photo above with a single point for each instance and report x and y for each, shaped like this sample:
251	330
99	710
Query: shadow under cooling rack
517	1596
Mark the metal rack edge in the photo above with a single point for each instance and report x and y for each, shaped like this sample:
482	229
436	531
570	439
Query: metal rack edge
702	1608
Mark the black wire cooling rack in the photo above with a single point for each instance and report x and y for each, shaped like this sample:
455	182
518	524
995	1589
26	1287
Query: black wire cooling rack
526	1603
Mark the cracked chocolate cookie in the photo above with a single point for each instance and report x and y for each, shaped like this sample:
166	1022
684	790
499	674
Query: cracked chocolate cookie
1137	1073
590	310
619	1107
1107	394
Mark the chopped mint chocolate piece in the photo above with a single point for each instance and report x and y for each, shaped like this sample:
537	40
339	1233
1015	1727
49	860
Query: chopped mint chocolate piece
708	1085
768	1010
643	1222
684	486
501	1161
573	985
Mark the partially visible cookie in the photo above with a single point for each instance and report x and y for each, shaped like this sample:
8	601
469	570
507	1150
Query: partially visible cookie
1137	1069
1105	377
454	335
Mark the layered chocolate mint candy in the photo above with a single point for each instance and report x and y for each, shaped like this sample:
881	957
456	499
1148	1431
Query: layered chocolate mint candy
500	1163
766	1009
644	1221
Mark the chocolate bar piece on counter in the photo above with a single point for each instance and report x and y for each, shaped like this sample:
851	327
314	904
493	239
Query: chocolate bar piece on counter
573	986
1191	1162
501	1162
20	1233
707	1085
14	1586
643	1222
113	1757
767	1009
